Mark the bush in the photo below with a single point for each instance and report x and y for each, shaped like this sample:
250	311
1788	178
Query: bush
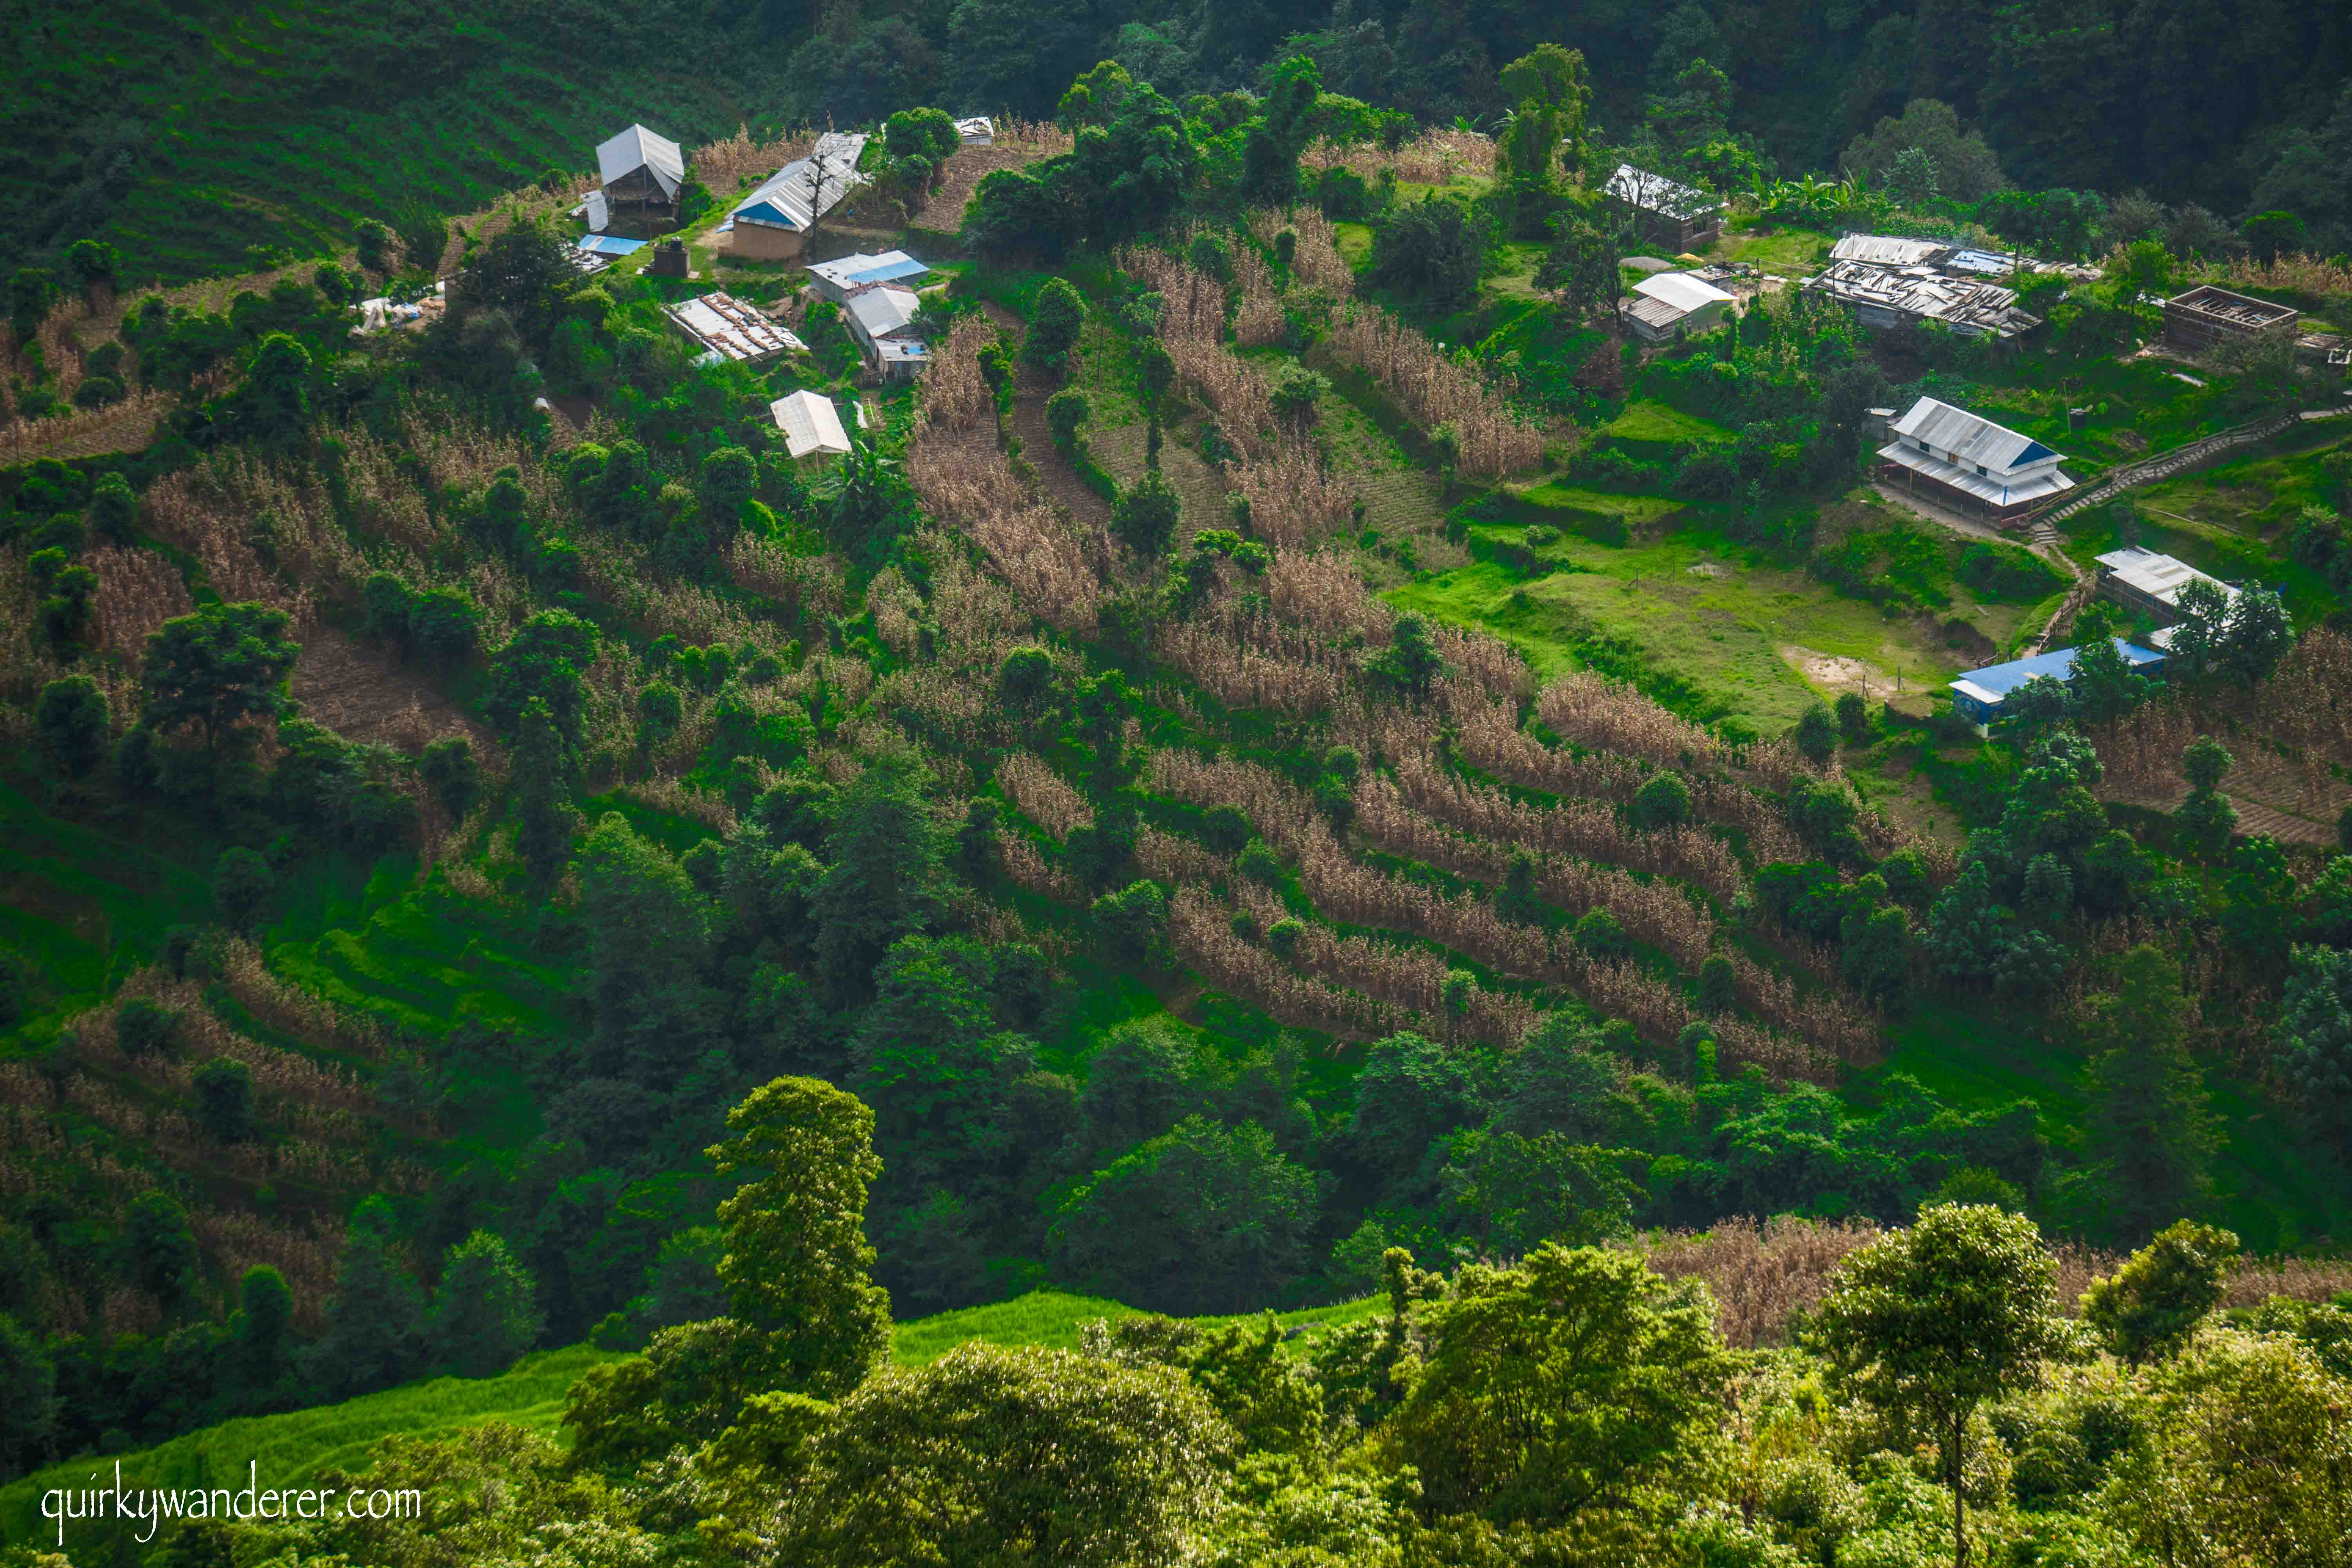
1054	325
224	1089
143	1029
1065	411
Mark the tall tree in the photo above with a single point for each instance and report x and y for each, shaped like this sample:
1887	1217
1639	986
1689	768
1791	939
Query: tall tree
1550	91
2152	1121
542	782
648	940
374	1336
1933	1321
885	874
798	1266
487	1313
216	668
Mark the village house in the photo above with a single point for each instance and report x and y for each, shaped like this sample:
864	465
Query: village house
881	317
1899	298
2149	584
1677	217
1981	696
2206	316
811	426
642	174
976	131
1667	305
1970	464
774	223
839	278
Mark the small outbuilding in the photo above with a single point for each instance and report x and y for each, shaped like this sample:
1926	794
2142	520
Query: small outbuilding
1668	305
811	426
1980	695
976	131
1664	212
642	173
2207	316
1971	464
882	319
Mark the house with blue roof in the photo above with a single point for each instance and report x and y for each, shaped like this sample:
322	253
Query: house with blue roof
774	223
1978	696
839	278
1970	464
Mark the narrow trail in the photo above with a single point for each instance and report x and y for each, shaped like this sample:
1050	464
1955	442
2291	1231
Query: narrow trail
1031	388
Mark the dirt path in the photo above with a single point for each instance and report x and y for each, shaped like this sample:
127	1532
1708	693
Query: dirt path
1031	388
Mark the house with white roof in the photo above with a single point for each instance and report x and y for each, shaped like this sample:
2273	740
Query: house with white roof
1665	211
881	317
1667	305
773	224
1971	464
642	172
811	426
839	278
976	130
725	328
2149	584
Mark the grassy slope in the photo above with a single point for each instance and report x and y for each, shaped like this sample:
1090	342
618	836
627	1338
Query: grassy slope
292	1448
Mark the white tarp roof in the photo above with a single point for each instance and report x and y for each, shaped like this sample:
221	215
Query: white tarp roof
810	424
731	329
1888	250
2161	577
598	215
976	131
1683	291
638	148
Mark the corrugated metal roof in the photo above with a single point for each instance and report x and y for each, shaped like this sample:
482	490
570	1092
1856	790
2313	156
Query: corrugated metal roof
791	196
1969	438
845	273
731	328
976	131
1657	194
1888	250
1682	290
810	424
2161	577
599	215
1964	304
1996	681
638	148
883	312
1999	489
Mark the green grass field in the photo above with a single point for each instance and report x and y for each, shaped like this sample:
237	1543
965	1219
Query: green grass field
1653	423
1787	252
1724	621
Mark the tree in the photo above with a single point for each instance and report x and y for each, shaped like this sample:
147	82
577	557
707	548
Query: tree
1911	182
159	1247
1410	662
224	1089
113	510
1581	266
1933	1321
1517	1191
2105	686
264	1327
450	771
1146	514
1203	1219
216	668
648	940
374	1336
1551	91
1027	1454
1431	250
487	1313
2255	637
545	661
1576	1384
1965	167
2152	1304
1131	924
1411	1092
29	1403
797	1265
687	1388
885	874
1817	735
542	784
730	477
2313	1034
2271	235
1055	323
74	723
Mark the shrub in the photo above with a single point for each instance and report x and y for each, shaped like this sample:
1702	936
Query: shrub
1065	411
1600	935
143	1029
1054	325
224	1089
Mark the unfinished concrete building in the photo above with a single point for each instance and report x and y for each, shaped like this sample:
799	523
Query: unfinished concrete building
2207	316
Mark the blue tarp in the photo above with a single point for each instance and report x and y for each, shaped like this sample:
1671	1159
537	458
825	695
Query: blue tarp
607	245
1980	693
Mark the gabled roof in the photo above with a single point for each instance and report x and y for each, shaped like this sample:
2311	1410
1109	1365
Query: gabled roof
847	272
810	424
638	148
976	131
1657	194
795	195
1996	681
2161	577
1970	439
1683	291
883	312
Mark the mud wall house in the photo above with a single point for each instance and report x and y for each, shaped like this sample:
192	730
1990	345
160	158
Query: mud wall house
643	174
2206	316
1663	212
1981	696
1969	464
774	222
